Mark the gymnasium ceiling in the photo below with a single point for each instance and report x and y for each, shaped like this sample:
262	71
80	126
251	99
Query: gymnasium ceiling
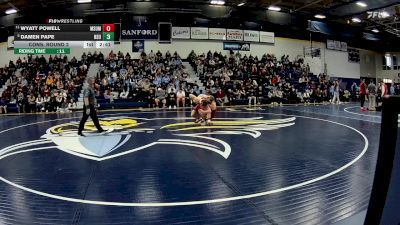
338	11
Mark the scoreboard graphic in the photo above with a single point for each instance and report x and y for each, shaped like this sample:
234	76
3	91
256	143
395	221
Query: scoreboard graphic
60	38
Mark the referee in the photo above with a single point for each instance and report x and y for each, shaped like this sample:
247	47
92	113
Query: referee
89	98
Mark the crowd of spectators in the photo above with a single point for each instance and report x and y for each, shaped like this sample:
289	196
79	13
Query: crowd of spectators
37	84
155	78
235	78
160	79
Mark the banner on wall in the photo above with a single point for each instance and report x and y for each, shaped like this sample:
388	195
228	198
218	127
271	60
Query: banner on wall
200	33
267	37
353	55
251	35
137	45
10	42
180	32
336	45
133	32
217	33
235	46
234	35
343	46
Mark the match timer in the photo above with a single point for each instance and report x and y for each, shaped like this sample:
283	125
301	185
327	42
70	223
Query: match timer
108	32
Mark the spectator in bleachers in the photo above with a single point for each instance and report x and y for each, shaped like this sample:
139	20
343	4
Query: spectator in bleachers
39	104
21	102
160	97
180	97
32	103
107	94
251	95
150	99
3	105
171	99
220	97
124	94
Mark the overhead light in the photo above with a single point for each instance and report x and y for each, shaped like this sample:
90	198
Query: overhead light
362	4
241	4
217	2
84	1
320	16
10	11
274	8
375	30
384	14
356	20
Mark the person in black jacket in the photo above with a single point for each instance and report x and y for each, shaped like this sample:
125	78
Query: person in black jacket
171	99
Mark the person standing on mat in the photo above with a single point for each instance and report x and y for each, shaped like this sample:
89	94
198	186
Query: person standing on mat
89	98
363	92
371	96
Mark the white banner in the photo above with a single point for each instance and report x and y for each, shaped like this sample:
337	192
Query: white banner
217	33
199	32
252	35
234	35
180	32
267	37
10	42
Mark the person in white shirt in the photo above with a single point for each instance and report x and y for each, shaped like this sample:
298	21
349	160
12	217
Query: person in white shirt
46	101
180	97
59	102
151	55
124	94
39	104
72	105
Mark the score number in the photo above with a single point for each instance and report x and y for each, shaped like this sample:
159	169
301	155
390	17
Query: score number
108	32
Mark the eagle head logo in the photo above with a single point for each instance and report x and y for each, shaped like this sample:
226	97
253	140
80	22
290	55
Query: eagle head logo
126	135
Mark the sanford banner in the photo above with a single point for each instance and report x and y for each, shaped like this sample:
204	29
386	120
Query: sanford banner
135	32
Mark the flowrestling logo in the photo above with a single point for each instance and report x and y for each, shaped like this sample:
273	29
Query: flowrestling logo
66	21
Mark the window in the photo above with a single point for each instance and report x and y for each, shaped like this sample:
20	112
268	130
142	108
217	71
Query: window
387	62
394	60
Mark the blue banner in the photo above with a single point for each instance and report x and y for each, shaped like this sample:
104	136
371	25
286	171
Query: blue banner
137	45
236	46
320	27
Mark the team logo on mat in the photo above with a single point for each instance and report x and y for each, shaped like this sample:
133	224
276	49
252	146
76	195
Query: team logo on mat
126	135
242	150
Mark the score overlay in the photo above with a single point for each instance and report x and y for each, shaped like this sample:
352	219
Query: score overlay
59	38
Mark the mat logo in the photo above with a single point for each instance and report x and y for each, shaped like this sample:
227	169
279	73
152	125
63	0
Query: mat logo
126	135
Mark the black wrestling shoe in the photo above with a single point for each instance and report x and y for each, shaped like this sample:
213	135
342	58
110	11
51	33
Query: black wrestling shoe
102	131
